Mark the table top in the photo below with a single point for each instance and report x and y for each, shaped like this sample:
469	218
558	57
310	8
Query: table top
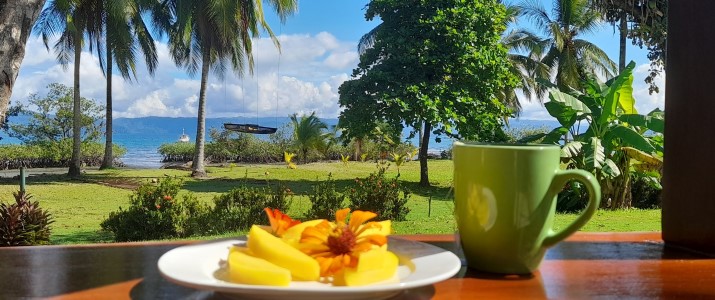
587	265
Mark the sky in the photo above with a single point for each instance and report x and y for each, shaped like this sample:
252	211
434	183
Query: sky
318	53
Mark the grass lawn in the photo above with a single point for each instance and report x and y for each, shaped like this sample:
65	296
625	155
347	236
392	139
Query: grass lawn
80	206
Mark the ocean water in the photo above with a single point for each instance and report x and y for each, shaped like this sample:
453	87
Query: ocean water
143	136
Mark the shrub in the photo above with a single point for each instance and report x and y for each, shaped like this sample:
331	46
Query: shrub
645	195
176	152
573	198
52	154
243	206
325	200
150	214
24	223
192	217
386	197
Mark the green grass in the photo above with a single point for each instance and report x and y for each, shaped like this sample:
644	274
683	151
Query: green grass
80	206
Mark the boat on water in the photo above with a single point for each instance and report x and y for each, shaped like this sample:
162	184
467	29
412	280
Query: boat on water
250	128
184	137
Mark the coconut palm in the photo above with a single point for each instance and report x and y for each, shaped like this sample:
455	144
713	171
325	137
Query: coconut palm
68	19
307	132
524	49
121	32
208	35
570	58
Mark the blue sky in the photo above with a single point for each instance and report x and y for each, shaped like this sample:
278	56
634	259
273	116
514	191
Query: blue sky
318	54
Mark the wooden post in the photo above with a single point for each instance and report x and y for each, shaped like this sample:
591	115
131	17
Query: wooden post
22	179
429	207
689	164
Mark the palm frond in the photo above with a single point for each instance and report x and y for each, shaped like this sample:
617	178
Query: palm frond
534	11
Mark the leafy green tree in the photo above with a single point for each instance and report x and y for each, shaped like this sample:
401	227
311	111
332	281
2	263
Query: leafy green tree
117	30
435	65
617	141
307	133
570	58
208	35
68	19
51	117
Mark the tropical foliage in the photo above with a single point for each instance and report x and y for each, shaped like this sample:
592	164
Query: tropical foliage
24	223
210	35
570	58
69	19
122	31
433	65
648	28
618	141
307	133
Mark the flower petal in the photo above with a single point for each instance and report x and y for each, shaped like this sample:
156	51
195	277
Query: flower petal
341	215
359	217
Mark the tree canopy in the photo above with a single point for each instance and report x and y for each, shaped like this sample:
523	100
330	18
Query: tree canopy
649	27
51	117
435	65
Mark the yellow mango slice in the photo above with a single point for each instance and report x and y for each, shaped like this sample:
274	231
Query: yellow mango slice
371	260
385	229
353	277
273	249
246	269
292	234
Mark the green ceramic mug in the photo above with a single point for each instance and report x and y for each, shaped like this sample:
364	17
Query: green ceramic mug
505	199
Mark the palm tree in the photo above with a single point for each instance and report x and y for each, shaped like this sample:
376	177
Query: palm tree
570	59
120	31
307	132
67	18
212	33
524	49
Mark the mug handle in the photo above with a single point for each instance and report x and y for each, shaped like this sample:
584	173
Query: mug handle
594	199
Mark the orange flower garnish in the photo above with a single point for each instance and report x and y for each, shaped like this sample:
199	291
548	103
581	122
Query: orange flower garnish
280	222
338	245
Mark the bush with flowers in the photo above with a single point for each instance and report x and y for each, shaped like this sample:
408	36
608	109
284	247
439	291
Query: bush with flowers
376	193
242	207
150	213
325	200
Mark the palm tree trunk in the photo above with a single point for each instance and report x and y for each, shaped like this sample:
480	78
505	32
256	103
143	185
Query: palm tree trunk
108	160
424	144
624	32
198	163
74	170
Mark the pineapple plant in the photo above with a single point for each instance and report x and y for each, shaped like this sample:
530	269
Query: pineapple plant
24	223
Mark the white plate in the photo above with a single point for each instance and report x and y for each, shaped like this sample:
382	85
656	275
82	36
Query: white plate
200	266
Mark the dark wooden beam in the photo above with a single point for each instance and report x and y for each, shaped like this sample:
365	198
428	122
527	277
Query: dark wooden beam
689	170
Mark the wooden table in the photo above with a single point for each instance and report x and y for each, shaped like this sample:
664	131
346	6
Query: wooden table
587	265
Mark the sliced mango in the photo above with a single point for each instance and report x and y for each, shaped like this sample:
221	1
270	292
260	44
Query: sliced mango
292	234
385	229
273	249
246	269
371	260
371	273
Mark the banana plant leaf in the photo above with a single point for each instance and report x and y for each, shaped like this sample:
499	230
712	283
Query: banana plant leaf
628	138
595	155
619	93
652	123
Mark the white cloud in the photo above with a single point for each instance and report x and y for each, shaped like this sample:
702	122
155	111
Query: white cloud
304	78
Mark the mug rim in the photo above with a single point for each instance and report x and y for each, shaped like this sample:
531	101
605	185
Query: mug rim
469	144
